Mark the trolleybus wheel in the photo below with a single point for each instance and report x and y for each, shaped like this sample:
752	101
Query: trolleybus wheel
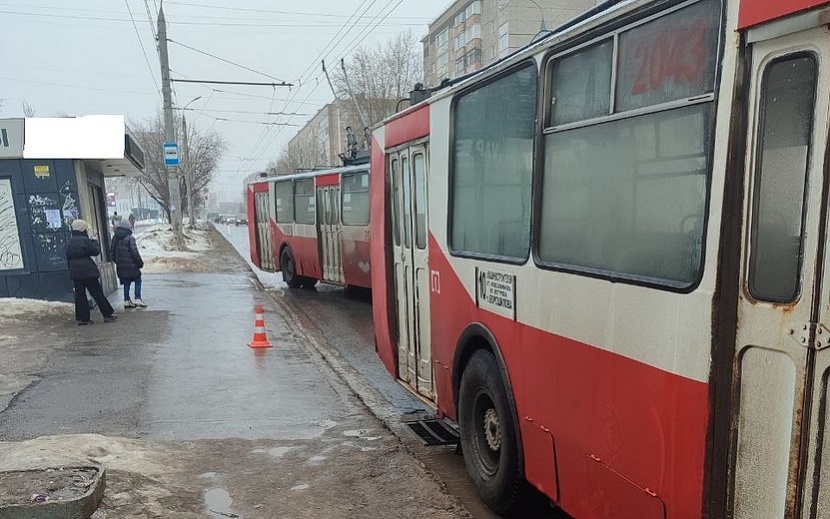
289	269
488	434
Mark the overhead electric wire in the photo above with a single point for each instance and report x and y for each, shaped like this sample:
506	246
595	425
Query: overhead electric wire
138	35
243	67
150	21
361	40
291	114
211	24
252	10
327	49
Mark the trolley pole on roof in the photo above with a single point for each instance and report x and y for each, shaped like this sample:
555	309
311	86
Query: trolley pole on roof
174	199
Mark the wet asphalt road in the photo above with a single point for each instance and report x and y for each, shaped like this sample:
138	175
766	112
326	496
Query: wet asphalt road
181	369
345	326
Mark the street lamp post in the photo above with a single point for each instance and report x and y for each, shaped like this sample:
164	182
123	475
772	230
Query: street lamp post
188	171
542	27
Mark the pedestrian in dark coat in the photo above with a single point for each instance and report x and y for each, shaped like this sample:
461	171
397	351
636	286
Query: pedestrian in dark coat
84	273
128	263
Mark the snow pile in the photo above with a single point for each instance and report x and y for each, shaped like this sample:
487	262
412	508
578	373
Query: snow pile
13	307
157	245
160	240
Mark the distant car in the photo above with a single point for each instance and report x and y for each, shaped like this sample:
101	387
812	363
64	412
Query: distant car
241	219
226	218
213	217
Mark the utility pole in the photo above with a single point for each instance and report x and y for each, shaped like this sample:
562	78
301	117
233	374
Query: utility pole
169	134
188	172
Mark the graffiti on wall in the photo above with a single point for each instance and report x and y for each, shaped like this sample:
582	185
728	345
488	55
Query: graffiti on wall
11	257
70	207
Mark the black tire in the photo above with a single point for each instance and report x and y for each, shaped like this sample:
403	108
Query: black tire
289	269
308	282
489	438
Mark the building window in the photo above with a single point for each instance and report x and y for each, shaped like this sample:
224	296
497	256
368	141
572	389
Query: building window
459	65
504	44
491	168
474	31
442	38
442	60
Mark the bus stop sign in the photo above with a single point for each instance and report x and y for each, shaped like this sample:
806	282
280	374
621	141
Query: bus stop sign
171	154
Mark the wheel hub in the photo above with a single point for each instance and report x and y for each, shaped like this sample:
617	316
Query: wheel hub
492	429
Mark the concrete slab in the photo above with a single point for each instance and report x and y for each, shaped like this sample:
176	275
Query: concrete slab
51	493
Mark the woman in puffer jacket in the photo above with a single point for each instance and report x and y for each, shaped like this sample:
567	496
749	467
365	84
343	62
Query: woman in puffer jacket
128	263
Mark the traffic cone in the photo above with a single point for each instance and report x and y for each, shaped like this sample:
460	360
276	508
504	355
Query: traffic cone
260	339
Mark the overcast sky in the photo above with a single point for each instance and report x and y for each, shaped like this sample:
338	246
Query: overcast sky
87	59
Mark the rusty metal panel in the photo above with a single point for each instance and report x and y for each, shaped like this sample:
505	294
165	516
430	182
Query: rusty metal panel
768	391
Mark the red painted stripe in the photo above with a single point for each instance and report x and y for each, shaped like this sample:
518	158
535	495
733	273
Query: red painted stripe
260	187
356	261
645	425
617	426
305	250
753	12
332	179
410	126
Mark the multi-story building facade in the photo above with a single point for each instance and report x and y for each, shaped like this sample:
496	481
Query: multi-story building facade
471	33
318	139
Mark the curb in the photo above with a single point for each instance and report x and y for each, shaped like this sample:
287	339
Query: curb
80	507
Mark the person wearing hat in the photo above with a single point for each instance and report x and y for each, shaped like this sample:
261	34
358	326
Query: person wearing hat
84	273
128	263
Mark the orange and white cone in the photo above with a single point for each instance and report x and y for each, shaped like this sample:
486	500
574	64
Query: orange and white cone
260	339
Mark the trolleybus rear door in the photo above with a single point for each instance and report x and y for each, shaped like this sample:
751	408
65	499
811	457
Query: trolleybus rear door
262	228
781	358
328	232
408	171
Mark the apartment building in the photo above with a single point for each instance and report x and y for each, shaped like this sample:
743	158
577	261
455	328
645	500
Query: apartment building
470	34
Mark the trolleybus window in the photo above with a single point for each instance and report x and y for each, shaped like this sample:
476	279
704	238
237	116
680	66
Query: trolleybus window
407	202
786	122
583	85
627	195
491	170
396	202
670	58
356	198
304	201
419	167
285	201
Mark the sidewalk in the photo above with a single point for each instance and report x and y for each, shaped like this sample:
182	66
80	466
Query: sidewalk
188	419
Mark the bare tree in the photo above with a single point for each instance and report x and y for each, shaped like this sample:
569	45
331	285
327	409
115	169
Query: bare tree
28	110
300	154
379	78
205	149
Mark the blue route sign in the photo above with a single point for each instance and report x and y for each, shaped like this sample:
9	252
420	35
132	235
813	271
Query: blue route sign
171	154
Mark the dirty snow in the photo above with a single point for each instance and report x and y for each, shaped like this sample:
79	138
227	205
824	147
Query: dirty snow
157	245
13	307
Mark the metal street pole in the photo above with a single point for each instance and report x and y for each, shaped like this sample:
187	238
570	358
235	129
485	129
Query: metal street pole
169	134
188	172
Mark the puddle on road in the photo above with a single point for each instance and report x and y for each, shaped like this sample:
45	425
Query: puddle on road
317	460
275	452
218	503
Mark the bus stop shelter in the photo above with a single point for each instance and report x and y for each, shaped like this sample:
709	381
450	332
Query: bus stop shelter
52	171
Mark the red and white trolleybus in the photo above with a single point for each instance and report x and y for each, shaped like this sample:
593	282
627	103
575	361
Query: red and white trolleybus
604	258
312	226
